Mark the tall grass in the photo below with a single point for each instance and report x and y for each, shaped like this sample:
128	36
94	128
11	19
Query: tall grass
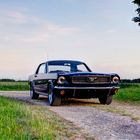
30	122
10	86
129	92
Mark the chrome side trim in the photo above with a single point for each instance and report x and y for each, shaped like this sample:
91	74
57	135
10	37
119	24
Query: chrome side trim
42	93
56	87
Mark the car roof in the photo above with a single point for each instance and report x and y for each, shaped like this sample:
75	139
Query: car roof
64	61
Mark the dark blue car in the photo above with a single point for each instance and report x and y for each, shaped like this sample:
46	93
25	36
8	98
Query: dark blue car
71	79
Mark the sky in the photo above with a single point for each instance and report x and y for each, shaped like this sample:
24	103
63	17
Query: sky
100	33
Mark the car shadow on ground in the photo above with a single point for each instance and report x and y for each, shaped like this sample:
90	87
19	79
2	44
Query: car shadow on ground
73	102
79	102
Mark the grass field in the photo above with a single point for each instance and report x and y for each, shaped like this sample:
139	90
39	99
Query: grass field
10	86
129	92
31	122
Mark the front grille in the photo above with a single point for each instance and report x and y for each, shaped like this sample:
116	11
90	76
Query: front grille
91	79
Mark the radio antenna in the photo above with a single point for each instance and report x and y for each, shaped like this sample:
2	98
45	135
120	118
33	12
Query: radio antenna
47	59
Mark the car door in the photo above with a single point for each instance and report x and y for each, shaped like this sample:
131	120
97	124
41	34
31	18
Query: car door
40	80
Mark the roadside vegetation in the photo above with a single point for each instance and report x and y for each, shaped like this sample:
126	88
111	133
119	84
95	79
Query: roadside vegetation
129	92
14	86
129	89
25	121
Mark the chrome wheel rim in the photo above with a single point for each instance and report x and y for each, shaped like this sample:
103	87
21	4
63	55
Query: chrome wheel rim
50	98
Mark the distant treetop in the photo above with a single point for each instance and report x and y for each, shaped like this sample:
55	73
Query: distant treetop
137	2
137	19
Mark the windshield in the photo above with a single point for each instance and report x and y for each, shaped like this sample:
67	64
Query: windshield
63	66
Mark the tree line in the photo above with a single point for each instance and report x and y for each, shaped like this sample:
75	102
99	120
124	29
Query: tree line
130	81
12	80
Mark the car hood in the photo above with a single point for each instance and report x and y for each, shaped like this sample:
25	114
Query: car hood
85	73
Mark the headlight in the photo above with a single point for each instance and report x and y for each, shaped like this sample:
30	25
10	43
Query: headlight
61	80
115	79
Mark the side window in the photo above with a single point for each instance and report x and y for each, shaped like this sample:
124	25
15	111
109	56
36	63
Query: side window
81	68
41	69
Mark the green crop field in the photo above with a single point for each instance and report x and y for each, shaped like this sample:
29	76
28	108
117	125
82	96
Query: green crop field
20	121
129	92
10	86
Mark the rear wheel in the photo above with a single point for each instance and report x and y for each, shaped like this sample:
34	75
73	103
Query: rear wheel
106	99
54	100
33	94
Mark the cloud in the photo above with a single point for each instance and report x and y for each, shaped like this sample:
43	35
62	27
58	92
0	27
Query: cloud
20	27
61	30
35	39
71	1
16	15
12	16
110	31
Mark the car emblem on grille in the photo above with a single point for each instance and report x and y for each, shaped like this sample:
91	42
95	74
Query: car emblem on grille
91	79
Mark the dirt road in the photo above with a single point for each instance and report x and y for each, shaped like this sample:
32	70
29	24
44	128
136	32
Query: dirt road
114	122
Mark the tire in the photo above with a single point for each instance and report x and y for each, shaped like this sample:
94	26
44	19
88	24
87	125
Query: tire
33	94
106	99
54	100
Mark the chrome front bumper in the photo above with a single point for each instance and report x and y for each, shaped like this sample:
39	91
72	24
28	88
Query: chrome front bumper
114	87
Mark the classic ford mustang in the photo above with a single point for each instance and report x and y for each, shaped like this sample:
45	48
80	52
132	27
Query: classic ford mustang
71	79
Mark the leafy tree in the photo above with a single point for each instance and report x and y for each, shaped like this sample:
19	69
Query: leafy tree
137	19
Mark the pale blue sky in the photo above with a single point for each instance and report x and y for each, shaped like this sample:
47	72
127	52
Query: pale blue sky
98	32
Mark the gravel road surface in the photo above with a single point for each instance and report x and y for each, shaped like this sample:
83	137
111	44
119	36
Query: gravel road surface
118	121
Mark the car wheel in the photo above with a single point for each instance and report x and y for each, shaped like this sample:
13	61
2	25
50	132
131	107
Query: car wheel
33	94
54	100
106	100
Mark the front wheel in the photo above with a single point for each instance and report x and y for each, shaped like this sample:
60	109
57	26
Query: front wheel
106	99
33	94
54	100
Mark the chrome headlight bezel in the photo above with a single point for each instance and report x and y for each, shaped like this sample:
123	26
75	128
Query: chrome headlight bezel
115	79
61	80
